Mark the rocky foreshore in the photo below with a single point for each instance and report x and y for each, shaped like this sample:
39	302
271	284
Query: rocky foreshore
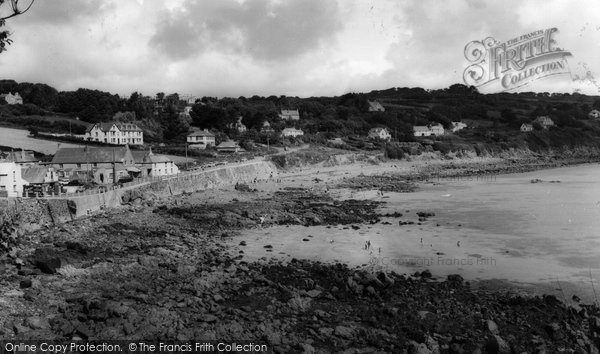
159	270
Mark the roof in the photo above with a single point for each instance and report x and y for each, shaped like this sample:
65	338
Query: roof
21	156
421	128
526	125
140	156
91	155
201	133
378	130
34	174
228	144
375	105
126	127
290	112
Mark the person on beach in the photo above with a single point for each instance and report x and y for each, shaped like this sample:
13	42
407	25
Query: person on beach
458	243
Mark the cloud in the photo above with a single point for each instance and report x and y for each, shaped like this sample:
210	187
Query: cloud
264	30
62	12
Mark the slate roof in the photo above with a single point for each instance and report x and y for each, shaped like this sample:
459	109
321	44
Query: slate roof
21	156
92	155
34	174
201	133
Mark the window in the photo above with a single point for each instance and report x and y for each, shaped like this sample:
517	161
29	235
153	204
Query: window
14	187
61	165
78	165
14	176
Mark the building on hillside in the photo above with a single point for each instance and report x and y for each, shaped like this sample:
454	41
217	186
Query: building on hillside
201	139
229	146
437	129
458	126
186	111
594	114
12	99
289	114
238	126
115	133
11	181
526	127
375	106
336	141
41	180
291	132
22	158
95	164
380	133
151	165
421	130
544	121
266	128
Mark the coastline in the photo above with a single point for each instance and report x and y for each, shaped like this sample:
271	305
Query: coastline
180	280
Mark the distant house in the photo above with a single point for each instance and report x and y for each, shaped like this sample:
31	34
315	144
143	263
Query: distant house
201	139
289	114
22	158
41	180
291	132
437	129
229	146
96	164
336	141
526	127
12	99
380	133
544	121
11	181
595	114
375	106
266	128
239	126
115	133
457	126
421	130
151	165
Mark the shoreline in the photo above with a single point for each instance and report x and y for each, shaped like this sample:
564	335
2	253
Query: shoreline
162	269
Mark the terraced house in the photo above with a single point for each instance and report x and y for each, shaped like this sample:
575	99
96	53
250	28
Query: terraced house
115	133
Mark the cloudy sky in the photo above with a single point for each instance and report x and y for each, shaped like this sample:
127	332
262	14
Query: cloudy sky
281	47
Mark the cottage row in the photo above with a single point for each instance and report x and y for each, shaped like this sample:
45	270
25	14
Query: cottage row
21	174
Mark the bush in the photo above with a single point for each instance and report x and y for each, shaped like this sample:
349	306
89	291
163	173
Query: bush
393	151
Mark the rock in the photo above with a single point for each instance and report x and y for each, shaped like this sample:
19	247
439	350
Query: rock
36	323
46	261
344	332
25	283
426	274
418	348
307	348
20	329
496	345
208	318
455	278
554	331
492	327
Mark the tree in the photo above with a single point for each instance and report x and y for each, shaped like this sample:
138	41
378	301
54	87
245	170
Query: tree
15	10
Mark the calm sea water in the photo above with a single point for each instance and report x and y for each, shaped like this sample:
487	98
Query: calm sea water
545	235
19	139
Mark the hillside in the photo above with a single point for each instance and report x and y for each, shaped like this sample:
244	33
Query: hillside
493	119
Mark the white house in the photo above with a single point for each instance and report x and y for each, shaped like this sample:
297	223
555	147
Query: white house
380	133
375	106
594	114
11	181
437	129
290	114
201	139
115	133
239	126
291	132
526	127
152	165
266	128
456	126
421	130
12	99
544	121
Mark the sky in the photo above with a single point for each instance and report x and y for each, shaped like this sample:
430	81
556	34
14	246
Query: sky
284	47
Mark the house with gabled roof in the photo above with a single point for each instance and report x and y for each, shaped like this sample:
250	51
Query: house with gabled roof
380	133
525	127
291	132
594	114
266	128
375	106
201	139
22	158
153	165
229	146
544	121
12	99
116	133
289	114
11	181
